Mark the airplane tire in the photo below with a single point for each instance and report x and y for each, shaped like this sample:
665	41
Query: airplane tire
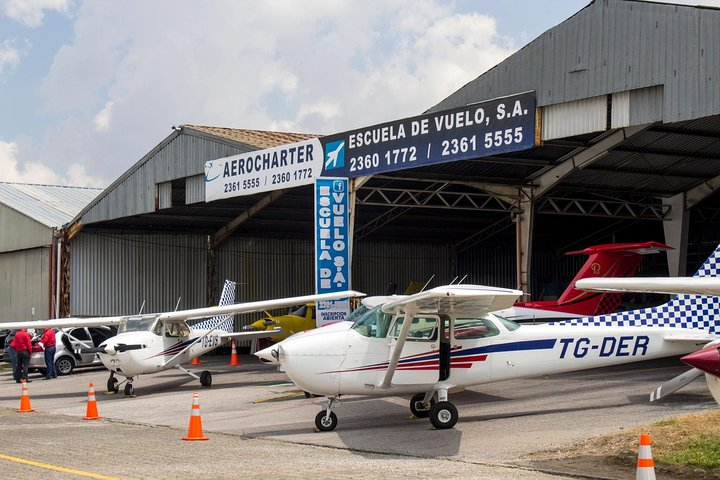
325	424
415	402
205	378
129	390
443	415
113	385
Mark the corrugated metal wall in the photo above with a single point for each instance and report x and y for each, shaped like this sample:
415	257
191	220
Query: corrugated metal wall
20	232
614	46
24	285
114	274
183	156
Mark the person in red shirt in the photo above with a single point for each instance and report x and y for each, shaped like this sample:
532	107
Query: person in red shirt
48	341
23	346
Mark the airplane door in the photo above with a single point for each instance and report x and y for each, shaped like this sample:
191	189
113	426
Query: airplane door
424	357
470	350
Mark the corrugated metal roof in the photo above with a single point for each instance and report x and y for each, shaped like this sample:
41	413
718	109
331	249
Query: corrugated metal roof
256	138
51	205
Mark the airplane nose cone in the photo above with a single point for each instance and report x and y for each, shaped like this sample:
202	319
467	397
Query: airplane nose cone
707	360
268	354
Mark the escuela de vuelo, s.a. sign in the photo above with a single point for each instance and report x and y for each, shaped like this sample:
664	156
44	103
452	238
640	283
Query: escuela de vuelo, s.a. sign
496	126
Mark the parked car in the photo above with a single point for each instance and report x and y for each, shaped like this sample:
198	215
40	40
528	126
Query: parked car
3	334
68	341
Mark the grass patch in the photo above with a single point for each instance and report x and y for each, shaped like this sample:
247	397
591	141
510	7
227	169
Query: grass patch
703	453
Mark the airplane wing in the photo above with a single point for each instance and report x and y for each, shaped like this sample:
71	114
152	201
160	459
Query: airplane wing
456	300
452	299
669	285
192	314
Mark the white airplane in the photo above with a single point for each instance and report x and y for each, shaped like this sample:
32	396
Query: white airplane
151	343
454	341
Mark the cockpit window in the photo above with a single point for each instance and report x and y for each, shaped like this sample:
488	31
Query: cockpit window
357	313
509	324
472	328
136	324
373	324
422	328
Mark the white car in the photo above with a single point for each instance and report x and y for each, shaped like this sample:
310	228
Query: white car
67	342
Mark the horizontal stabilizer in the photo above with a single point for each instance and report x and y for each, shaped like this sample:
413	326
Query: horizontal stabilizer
675	384
668	285
699	338
253	334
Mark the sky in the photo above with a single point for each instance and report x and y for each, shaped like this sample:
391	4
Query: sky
87	88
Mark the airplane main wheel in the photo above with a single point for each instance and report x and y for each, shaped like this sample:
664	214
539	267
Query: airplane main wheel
113	386
443	415
416	406
326	423
205	378
129	390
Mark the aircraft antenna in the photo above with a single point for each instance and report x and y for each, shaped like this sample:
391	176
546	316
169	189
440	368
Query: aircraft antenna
453	280
427	283
462	279
141	308
177	305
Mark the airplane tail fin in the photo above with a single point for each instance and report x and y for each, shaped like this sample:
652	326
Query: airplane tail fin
686	311
608	260
221	322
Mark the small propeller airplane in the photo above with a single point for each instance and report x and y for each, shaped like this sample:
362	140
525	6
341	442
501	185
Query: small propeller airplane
453	340
151	343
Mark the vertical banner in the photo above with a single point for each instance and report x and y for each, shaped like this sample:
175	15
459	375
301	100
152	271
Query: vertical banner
332	263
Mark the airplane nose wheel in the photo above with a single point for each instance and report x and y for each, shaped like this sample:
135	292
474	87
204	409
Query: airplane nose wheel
112	384
129	390
443	415
326	420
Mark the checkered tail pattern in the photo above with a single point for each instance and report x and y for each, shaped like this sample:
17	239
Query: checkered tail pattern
685	311
221	322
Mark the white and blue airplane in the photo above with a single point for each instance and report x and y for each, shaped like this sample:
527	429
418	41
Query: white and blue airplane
151	343
453	340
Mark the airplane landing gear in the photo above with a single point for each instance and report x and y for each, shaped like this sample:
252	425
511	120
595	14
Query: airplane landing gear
326	420
443	415
205	378
129	389
420	405
113	386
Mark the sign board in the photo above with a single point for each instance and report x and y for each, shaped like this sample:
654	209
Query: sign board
332	262
259	171
482	129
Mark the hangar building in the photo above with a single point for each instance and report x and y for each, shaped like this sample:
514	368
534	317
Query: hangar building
627	148
31	218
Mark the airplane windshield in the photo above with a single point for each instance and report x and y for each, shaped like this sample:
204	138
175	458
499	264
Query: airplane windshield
509	324
373	324
357	313
136	324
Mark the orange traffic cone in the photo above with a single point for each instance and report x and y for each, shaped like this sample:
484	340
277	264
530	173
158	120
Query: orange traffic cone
25	399
195	361
234	360
92	411
645	465
195	428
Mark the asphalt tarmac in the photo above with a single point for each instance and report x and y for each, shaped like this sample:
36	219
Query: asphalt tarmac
260	425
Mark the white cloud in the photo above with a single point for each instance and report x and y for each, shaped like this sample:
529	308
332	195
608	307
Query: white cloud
32	12
13	170
102	119
9	55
